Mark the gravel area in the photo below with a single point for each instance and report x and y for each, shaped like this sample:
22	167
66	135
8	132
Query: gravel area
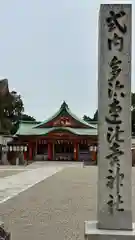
5	173
55	208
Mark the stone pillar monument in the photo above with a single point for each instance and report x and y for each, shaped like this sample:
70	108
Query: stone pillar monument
114	210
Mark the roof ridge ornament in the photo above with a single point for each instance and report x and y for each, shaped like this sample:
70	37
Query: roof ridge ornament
64	105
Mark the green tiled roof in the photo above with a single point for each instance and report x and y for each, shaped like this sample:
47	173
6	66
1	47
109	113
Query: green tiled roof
29	129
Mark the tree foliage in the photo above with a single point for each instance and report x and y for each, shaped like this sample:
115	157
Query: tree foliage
11	108
87	119
11	112
16	107
25	117
94	119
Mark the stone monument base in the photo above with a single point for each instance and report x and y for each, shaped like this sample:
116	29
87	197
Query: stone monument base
93	233
4	234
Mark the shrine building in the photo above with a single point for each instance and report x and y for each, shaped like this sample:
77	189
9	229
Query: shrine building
63	136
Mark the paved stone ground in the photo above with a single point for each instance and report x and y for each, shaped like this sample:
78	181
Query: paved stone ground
10	172
11	186
55	208
14	167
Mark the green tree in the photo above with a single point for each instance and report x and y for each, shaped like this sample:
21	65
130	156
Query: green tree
16	108
87	119
11	110
17	112
25	117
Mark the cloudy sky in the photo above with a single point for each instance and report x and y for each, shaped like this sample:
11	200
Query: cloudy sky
48	52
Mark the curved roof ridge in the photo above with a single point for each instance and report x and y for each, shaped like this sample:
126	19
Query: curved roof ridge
79	119
64	106
49	119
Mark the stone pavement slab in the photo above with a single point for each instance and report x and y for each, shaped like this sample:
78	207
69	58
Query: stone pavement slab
13	185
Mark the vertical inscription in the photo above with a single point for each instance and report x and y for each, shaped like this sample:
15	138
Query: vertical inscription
114	126
114	179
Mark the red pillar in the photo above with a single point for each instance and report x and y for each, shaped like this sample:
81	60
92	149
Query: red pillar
25	155
50	153
75	151
30	151
93	156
